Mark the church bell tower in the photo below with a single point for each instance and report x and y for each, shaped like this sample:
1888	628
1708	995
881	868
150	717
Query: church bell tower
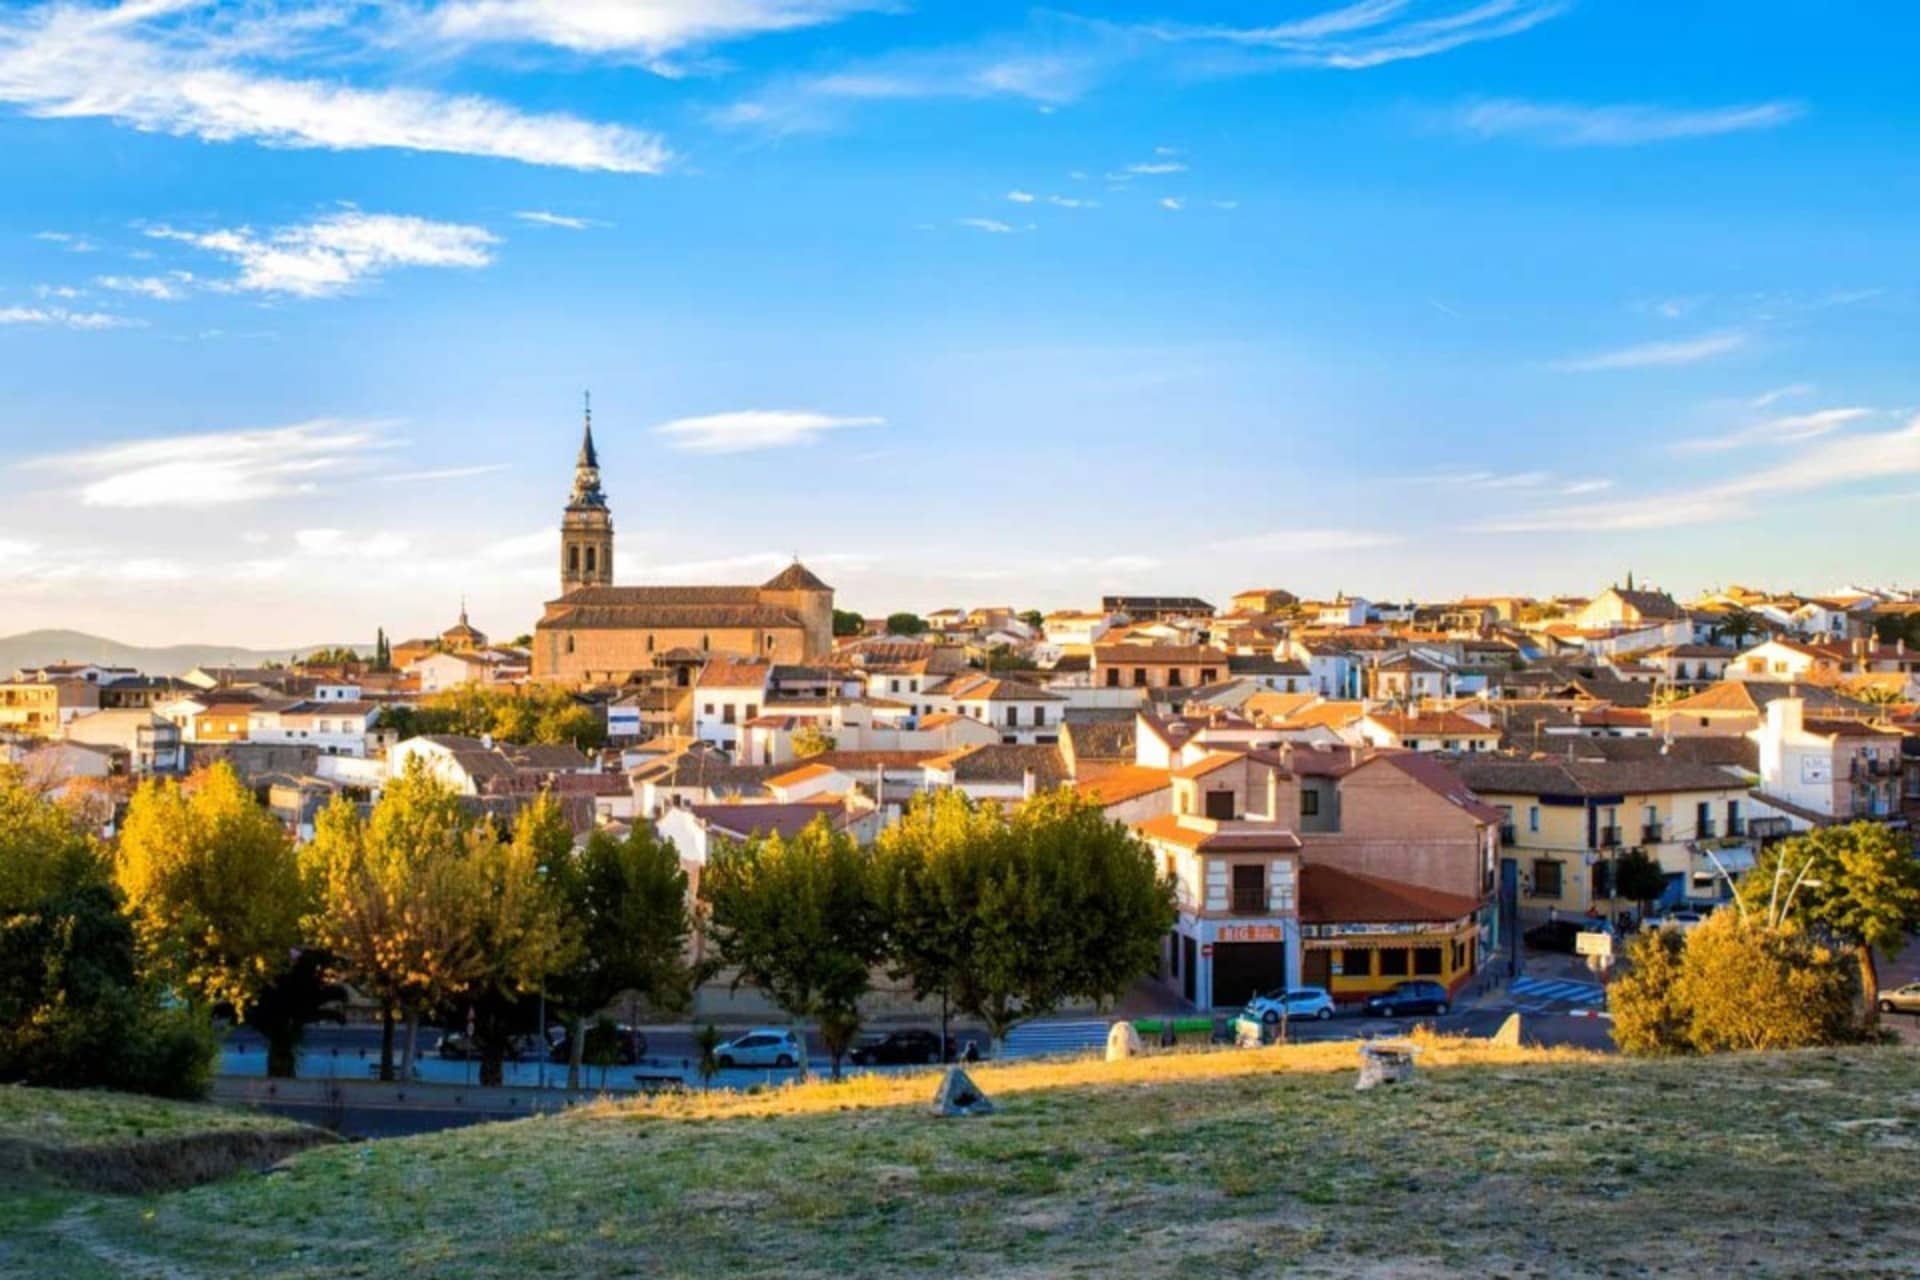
586	531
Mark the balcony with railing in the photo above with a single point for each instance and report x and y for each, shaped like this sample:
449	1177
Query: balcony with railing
1609	837
1506	833
1707	829
1653	833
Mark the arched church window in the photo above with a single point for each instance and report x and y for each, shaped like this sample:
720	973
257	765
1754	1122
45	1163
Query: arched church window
573	558
590	558
569	644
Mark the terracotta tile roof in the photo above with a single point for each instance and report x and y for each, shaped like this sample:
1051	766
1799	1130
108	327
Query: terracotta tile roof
743	821
1435	777
1204	837
805	773
999	762
1129	782
1209	763
1431	724
1584	778
988	689
733	673
1147	655
795	577
1330	895
1101	739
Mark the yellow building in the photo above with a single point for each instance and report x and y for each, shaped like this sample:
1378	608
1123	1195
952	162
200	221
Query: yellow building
38	708
1362	934
1569	821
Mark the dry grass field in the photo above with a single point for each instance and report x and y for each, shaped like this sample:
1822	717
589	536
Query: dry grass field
1495	1162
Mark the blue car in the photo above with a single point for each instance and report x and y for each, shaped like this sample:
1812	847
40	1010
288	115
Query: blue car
1407	998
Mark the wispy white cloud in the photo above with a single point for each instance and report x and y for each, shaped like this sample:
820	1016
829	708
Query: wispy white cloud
1560	124
1153	168
1532	481
1173	204
443	473
172	287
562	221
1767	399
1790	429
1302	541
168	67
339	251
1020	197
338	544
61	318
749	429
66	240
1652	354
992	225
650	29
1372	33
215	469
1072	202
1823	464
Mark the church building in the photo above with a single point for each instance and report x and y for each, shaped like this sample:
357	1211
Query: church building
598	633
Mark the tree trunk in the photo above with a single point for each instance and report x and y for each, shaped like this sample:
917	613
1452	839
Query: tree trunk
1869	982
576	1048
412	1044
945	1057
283	1052
386	1040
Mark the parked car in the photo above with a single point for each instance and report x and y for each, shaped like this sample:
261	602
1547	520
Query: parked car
762	1047
1560	935
1409	998
1301	1002
458	1046
1901	999
629	1044
896	1047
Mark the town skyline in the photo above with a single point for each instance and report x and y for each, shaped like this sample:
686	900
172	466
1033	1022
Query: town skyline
1406	299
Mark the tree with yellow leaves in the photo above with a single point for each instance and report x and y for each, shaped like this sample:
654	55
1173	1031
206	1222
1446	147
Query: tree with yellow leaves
213	886
390	894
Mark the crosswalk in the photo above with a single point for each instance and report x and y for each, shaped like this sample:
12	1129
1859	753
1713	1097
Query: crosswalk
1534	994
1033	1039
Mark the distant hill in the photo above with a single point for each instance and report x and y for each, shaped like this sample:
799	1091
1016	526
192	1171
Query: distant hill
37	648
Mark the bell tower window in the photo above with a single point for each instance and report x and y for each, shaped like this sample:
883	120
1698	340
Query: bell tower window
590	559
573	558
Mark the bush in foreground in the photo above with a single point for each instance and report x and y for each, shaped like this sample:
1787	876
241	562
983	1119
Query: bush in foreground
1732	984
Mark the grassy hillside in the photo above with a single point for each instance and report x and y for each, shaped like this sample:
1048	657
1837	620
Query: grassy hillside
1496	1162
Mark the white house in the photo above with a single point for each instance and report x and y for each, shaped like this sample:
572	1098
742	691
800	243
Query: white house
1824	771
335	728
728	693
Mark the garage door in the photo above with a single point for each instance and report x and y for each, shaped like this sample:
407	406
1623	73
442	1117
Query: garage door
1242	970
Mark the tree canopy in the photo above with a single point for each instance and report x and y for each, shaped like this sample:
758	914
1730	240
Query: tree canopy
905	624
1860	883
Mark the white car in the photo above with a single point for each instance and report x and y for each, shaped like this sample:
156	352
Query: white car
762	1047
1301	1002
1684	921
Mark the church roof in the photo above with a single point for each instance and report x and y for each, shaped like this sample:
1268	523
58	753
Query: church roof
796	577
643	614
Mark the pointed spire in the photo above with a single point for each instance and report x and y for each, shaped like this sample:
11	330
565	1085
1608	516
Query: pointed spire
463	609
588	456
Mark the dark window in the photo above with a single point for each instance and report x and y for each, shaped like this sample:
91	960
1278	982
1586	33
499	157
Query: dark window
1113	677
1013	715
590	559
1250	890
1393	962
1173	677
1220	805
1603	879
726	714
1356	962
1426	960
1207	675
1546	879
573	559
1309	804
1139	677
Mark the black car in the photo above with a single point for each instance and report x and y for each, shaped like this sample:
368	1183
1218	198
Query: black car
457	1046
1409	997
628	1045
895	1048
1560	935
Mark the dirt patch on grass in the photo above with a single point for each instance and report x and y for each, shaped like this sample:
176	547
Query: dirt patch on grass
169	1163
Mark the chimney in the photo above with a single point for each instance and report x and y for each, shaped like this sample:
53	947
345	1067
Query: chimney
1027	784
486	740
1273	794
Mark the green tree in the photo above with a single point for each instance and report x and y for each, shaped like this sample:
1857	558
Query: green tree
810	740
390	898
300	995
801	920
1015	915
1859	883
214	886
933	865
516	932
1737	626
1035	619
1648	1019
75	1009
1638	877
905	624
627	899
1736	982
847	623
1071	908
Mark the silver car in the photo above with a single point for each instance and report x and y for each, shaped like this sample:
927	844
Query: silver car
762	1047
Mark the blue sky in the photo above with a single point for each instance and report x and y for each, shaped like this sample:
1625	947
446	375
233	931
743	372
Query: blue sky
962	303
